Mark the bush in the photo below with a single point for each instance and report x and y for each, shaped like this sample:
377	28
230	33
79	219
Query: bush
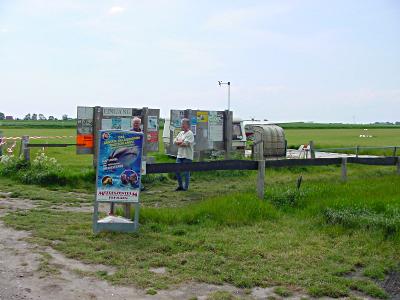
10	165
288	198
43	171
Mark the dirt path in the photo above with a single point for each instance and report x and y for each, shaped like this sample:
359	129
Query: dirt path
21	278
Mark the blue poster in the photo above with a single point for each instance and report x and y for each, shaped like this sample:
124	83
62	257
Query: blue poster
119	165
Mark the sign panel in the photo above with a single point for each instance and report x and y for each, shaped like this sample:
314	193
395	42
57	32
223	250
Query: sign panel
119	165
215	126
152	137
90	119
208	128
117	111
84	136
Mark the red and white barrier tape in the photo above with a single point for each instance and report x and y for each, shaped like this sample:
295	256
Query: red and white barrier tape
38	137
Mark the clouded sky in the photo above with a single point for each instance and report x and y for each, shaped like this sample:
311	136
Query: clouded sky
287	60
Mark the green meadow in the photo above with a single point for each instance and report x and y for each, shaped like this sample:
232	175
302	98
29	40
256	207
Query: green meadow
327	238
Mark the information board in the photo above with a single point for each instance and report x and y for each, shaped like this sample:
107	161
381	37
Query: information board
119	166
207	127
92	119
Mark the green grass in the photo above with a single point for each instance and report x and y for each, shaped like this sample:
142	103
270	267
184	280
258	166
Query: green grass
303	125
37	124
337	138
235	238
218	232
323	138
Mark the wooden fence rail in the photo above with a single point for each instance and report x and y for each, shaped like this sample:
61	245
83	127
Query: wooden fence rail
253	165
261	165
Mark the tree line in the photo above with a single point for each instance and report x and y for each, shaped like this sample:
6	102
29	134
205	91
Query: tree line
35	117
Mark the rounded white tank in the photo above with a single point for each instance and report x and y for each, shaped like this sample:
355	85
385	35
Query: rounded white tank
274	140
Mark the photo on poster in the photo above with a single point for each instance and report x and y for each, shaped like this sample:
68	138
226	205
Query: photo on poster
202	117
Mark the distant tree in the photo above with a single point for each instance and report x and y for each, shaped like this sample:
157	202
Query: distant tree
51	118
2	116
34	117
55	119
27	117
397	123
65	117
42	117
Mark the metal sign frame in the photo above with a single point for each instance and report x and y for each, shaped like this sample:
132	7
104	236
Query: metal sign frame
127	225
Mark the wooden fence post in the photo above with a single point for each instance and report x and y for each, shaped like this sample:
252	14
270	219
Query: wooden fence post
344	169
261	170
398	165
394	151
25	151
312	151
97	116
357	150
1	143
228	133
261	179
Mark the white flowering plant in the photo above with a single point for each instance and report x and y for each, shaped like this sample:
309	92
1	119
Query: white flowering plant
10	164
43	162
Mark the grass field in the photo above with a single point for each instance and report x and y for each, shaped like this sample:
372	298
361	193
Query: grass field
314	239
38	124
326	239
323	138
338	138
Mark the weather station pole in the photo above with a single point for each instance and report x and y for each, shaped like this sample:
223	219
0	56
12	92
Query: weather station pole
229	92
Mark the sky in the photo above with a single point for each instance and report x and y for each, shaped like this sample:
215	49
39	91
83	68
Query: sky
321	61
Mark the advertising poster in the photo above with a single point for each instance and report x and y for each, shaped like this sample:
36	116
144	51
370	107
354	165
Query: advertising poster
84	136
116	124
126	123
202	117
119	166
152	123
152	136
176	117
193	129
216	126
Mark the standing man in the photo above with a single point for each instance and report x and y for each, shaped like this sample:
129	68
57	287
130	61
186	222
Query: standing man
184	141
136	124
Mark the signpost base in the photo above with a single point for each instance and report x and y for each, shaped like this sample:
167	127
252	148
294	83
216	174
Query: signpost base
115	223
